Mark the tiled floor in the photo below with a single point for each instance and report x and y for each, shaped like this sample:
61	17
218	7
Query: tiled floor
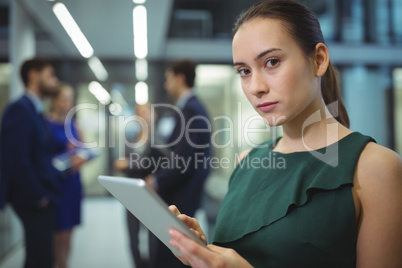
100	241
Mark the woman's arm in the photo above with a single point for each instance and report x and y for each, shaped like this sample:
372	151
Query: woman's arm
379	182
76	161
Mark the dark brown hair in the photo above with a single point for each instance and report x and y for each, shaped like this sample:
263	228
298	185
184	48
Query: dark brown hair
185	67
32	64
303	25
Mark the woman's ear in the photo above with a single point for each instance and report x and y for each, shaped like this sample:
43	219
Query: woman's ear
321	59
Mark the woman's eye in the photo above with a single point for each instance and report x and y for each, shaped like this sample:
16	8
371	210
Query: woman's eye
244	72
272	62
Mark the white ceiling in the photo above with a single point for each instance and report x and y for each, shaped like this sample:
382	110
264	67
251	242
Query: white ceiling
108	26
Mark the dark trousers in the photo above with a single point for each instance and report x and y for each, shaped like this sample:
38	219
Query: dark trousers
133	225
38	232
161	256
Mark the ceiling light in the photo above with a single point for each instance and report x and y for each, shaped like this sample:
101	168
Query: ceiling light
140	32
72	29
99	92
140	48
117	97
141	69
97	68
140	21
115	109
141	93
138	1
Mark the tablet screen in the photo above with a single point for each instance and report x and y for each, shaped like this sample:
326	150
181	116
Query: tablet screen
147	207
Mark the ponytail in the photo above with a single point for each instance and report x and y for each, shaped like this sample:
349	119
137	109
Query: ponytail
330	89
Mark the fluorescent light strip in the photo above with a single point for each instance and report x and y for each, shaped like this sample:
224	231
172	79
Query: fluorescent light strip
141	93
141	69
99	92
138	1
115	109
117	97
140	32
140	21
72	29
140	47
98	69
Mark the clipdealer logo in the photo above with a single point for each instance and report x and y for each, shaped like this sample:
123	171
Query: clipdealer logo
243	131
235	137
331	154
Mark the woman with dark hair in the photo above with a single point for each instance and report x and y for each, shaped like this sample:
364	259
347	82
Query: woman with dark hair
338	201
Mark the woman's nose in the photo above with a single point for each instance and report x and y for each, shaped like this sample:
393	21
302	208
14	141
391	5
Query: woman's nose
259	84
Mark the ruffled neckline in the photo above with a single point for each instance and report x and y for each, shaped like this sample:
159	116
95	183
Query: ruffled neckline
272	144
273	193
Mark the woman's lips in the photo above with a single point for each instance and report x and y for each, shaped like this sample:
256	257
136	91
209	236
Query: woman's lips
266	106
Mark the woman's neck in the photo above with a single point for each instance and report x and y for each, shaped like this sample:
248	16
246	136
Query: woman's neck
57	117
312	129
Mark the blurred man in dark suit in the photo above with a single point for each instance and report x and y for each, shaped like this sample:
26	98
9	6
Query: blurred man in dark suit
28	178
181	183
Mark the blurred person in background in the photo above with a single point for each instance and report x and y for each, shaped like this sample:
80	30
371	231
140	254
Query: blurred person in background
131	166
28	176
183	182
68	213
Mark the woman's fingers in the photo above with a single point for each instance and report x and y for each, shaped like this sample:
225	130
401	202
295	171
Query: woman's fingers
189	221
200	235
200	256
174	209
191	252
192	223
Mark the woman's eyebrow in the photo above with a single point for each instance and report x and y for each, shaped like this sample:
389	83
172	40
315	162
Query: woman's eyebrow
238	63
259	56
262	54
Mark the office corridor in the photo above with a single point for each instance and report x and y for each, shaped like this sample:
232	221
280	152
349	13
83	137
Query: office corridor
100	241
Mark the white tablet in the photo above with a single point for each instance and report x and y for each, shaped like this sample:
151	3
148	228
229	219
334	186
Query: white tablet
146	206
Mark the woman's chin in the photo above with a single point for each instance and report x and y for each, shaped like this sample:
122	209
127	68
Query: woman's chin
274	120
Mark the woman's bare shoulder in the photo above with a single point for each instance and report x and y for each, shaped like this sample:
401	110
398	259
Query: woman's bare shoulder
377	162
242	155
378	174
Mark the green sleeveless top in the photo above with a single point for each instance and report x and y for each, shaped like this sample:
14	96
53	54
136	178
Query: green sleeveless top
293	210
